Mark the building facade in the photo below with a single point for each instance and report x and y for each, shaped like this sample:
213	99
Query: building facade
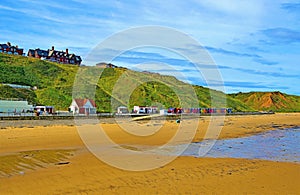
11	106
83	106
63	57
10	49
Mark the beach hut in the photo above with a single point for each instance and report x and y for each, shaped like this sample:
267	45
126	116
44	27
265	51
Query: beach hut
122	110
145	109
44	109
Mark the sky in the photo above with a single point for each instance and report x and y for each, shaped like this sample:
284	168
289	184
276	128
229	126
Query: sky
255	44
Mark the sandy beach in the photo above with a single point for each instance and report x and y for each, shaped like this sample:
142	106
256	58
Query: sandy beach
50	158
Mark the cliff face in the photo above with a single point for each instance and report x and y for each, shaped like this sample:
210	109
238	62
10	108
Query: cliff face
275	101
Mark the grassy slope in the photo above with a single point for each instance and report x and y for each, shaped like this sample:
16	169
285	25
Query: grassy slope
9	92
54	81
55	86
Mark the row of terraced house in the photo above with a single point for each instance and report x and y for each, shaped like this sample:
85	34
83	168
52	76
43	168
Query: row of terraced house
63	57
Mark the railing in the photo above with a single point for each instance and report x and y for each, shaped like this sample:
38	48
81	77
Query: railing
33	116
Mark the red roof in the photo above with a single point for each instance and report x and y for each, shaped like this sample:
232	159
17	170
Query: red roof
82	102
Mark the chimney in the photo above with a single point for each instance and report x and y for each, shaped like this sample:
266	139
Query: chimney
67	51
53	48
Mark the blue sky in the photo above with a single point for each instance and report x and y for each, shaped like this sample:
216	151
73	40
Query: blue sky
255	43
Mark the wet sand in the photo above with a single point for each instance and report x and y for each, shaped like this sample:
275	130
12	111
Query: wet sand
54	160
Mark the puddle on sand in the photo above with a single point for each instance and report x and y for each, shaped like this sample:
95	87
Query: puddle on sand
276	145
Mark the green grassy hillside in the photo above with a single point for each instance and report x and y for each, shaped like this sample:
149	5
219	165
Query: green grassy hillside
55	82
9	92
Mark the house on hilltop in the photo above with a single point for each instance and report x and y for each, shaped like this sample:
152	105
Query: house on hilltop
83	106
105	65
9	49
63	57
38	53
